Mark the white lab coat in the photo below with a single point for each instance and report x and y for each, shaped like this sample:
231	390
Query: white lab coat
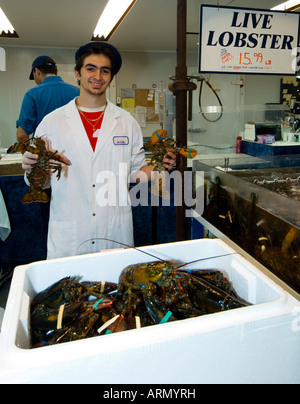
90	200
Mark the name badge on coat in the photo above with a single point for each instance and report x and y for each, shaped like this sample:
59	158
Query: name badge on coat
121	140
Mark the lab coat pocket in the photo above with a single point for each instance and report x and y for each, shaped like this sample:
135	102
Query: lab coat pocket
62	239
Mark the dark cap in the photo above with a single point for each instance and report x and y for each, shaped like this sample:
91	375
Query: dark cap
117	59
41	61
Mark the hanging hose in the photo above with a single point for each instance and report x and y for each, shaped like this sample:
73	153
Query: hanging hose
218	98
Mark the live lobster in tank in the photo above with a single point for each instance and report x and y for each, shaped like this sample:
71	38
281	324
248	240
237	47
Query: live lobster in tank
159	145
48	162
146	294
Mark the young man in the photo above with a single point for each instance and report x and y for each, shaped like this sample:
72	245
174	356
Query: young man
89	205
50	93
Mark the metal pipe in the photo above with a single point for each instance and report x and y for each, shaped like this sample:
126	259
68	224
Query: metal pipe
180	86
181	113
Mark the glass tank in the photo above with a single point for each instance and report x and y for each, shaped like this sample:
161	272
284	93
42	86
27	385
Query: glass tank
259	210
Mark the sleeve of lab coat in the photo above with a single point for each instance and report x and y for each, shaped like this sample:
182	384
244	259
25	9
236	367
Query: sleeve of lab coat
138	153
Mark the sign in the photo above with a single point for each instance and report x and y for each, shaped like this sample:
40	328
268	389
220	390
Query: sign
240	40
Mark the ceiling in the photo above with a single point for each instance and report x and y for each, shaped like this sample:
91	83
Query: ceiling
151	24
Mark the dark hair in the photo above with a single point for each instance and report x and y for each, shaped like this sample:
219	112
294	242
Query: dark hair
48	67
95	50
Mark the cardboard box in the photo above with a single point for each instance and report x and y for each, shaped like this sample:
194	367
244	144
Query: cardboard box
255	344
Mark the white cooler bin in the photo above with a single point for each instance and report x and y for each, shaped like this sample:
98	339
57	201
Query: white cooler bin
255	344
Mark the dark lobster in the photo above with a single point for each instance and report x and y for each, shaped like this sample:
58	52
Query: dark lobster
167	290
40	174
63	312
147	294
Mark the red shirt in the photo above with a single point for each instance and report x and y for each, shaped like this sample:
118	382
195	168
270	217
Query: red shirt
92	124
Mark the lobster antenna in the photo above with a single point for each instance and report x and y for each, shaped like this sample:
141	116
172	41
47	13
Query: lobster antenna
207	259
24	143
154	256
124	245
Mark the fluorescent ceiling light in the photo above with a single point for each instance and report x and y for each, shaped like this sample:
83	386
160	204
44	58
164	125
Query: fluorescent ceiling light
112	16
6	29
290	5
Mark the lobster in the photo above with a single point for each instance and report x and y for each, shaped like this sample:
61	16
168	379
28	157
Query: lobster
167	291
48	162
146	294
159	145
67	302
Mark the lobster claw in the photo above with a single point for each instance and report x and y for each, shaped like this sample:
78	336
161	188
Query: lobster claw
114	324
209	297
62	159
158	136
17	147
156	308
188	153
46	318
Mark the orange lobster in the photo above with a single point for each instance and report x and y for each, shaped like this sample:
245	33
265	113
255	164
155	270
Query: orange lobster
159	146
40	173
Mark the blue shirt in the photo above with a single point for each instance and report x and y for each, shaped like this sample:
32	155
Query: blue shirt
39	101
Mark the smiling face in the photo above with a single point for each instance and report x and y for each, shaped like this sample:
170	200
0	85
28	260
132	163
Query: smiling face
95	75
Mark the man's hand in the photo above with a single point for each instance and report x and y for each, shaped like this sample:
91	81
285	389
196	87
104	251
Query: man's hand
22	136
170	162
28	160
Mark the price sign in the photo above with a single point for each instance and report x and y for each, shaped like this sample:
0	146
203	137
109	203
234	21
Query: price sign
238	40
258	60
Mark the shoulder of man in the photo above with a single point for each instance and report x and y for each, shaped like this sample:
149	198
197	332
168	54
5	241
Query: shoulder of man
57	80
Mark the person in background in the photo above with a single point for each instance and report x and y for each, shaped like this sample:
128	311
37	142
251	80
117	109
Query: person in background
90	208
50	93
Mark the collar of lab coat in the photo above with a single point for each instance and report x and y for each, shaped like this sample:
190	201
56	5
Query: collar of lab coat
109	124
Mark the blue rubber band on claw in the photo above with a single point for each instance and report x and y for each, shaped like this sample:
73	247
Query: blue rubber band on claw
166	318
159	137
96	304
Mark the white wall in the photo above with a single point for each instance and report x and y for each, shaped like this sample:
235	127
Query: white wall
14	82
145	70
240	103
258	91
